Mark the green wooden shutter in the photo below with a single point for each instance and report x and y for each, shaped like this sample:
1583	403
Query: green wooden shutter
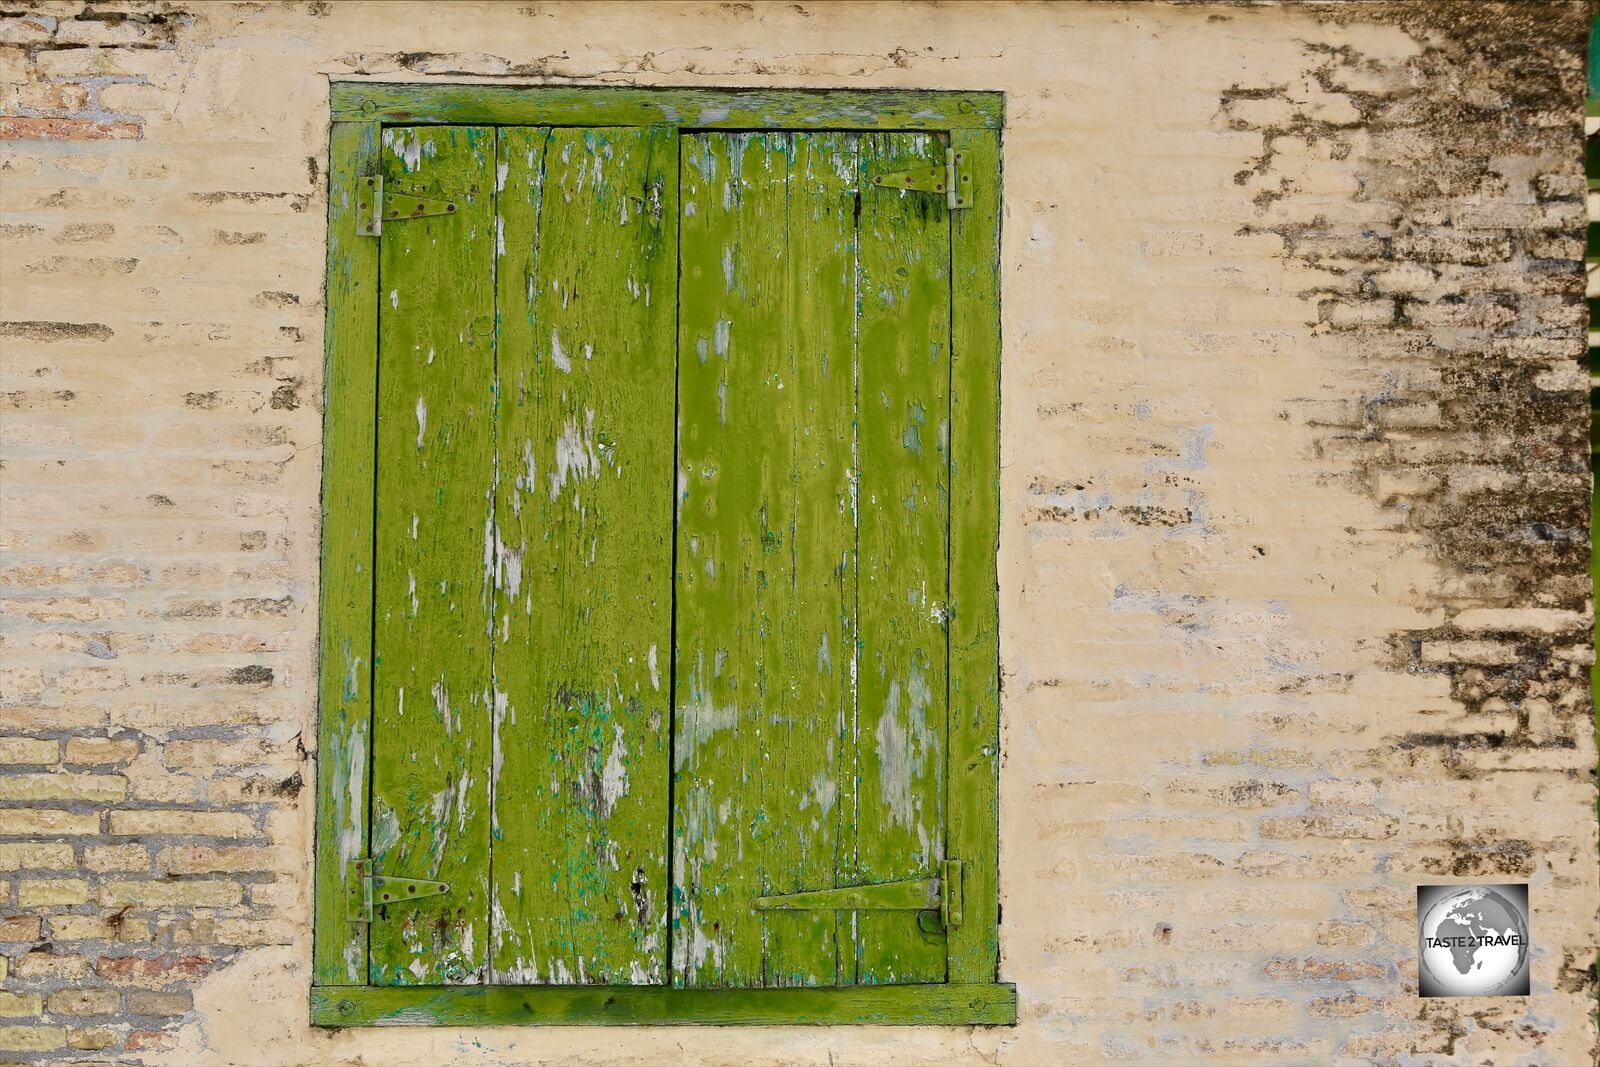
524	552
588	658
812	577
435	479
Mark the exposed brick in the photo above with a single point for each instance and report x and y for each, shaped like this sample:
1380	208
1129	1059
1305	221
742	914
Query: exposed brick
29	750
100	750
158	969
91	787
116	926
31	1038
19	928
45	892
162	894
84	1002
92	1040
48	966
45	822
29	855
150	1002
117	858
197	859
22	128
19	1005
192	823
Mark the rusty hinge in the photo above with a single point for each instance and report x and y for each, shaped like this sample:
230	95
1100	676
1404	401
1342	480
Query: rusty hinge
374	207
940	896
367	891
952	179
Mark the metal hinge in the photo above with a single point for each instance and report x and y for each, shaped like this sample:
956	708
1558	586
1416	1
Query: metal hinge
952	180
941	895
367	891
374	207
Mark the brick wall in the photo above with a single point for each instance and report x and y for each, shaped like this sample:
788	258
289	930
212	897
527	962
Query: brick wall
1295	611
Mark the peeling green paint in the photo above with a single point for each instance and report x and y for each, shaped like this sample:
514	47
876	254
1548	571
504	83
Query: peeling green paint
812	687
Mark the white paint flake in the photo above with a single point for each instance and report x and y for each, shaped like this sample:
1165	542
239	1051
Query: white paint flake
422	419
385	829
614	776
558	355
575	455
655	675
394	299
441	704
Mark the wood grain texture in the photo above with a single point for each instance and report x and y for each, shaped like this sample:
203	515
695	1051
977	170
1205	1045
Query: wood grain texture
558	105
787	778
431	765
904	510
344	693
733	519
920	1005
974	548
583	554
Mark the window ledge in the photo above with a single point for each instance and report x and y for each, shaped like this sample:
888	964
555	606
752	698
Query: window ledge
918	1005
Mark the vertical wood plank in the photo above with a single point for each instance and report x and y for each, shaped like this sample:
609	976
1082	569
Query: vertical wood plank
809	698
733	517
904	510
974	548
583	554
344	696
766	572
434	525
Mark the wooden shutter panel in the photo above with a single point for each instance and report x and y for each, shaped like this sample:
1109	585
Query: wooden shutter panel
812	576
435	476
583	554
524	555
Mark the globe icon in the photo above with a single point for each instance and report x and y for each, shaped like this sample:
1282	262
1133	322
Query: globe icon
1474	943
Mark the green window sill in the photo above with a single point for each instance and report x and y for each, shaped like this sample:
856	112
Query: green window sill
901	1005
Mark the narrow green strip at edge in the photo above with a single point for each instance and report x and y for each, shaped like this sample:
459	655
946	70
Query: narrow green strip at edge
939	1005
710	109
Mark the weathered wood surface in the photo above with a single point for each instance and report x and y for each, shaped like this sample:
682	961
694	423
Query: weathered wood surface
808	750
582	554
974	546
344	693
565	105
432	696
903	415
524	559
922	1005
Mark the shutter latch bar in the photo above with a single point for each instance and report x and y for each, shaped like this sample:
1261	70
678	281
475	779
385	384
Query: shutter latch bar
952	179
941	895
368	891
374	207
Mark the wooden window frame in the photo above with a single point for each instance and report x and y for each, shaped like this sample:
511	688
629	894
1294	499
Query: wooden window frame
972	993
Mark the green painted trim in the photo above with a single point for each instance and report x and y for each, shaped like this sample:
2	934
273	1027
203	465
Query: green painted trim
974	744
905	1005
1594	58
705	109
344	694
340	997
